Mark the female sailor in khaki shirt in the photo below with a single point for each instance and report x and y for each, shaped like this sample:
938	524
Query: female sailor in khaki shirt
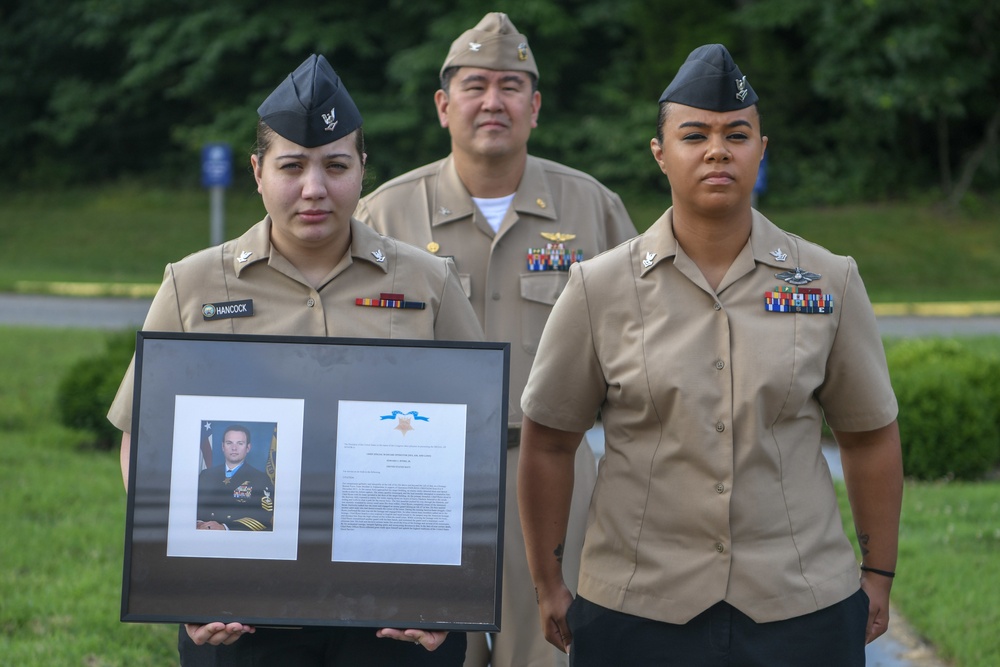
713	346
299	272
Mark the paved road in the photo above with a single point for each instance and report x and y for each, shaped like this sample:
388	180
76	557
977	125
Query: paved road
121	313
898	648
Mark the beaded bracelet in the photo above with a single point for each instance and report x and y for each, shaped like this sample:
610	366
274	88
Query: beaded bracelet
884	573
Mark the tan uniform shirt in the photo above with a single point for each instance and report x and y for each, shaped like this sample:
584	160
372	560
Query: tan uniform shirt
431	205
284	303
714	486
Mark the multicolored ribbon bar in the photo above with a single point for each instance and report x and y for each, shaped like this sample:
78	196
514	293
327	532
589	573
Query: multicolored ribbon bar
802	300
553	257
389	300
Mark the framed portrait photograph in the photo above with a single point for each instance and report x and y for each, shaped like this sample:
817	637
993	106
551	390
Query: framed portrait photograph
294	481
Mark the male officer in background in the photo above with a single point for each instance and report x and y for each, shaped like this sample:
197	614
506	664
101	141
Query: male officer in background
512	223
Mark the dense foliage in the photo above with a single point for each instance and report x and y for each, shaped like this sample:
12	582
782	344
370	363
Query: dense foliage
88	388
862	98
949	408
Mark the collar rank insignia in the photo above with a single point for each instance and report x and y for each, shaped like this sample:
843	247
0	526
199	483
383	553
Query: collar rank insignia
444	211
389	300
558	237
778	255
378	255
475	46
741	89
330	119
244	256
798	276
648	262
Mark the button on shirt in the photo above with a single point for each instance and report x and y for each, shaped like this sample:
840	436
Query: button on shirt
432	205
714	486
284	303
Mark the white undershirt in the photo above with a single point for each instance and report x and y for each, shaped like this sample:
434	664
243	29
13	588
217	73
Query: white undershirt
494	209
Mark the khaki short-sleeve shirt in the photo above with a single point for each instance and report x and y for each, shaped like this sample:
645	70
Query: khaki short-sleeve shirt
714	486
249	269
431	209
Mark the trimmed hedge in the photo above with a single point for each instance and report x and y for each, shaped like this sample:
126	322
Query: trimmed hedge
949	408
87	389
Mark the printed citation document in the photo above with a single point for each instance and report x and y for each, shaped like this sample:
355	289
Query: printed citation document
400	483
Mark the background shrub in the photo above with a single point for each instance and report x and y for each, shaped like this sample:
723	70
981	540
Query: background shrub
949	408
87	389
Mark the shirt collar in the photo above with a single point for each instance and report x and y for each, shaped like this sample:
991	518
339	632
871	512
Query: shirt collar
255	245
769	244
453	202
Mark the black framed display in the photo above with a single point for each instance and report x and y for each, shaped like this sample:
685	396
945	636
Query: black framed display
367	482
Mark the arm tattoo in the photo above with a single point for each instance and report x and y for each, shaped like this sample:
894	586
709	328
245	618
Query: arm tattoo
558	553
863	539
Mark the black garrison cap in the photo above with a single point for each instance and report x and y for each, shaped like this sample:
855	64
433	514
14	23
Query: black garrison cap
311	107
709	79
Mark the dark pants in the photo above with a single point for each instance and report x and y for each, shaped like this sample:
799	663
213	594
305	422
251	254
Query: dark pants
721	636
320	647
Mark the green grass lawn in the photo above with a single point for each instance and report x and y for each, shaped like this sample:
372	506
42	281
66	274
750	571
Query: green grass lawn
907	252
947	576
64	522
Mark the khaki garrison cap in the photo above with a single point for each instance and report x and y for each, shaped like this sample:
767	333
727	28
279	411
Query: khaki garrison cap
493	44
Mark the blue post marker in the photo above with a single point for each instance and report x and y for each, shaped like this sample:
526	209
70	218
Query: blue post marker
217	175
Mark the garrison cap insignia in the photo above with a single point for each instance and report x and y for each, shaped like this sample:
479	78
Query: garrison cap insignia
475	46
778	255
558	237
648	262
433	247
522	51
742	89
330	119
378	255
244	256
798	276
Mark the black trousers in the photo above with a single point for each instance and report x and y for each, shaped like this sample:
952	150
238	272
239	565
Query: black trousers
320	647
721	636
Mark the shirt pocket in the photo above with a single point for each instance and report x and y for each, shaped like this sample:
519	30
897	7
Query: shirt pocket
539	291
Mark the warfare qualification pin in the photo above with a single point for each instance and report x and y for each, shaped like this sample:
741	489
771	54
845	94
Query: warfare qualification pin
798	276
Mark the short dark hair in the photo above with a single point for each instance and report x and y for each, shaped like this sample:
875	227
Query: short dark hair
449	73
237	427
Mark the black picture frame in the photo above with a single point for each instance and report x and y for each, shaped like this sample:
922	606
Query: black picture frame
325	555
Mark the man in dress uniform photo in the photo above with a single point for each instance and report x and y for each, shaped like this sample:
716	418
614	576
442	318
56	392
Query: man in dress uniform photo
235	495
